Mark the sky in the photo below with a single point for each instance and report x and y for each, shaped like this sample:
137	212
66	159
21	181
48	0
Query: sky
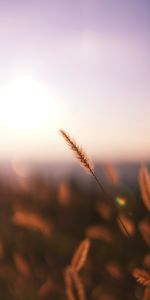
83	66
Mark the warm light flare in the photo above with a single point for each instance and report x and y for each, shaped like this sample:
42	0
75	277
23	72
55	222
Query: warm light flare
30	114
121	201
26	105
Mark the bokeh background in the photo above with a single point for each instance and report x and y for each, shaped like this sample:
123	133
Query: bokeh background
83	66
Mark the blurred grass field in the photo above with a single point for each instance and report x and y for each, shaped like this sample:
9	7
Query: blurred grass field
43	221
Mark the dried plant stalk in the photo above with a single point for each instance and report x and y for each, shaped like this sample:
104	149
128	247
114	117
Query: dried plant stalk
114	270
22	265
46	288
78	151
144	181
147	260
112	173
144	228
126	225
31	220
80	255
146	294
85	161
70	294
69	285
78	285
142	276
100	232
74	286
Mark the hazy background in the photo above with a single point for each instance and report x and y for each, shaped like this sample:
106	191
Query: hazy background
84	66
91	59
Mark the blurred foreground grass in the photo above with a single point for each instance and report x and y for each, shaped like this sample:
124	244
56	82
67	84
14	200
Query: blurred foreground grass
43	221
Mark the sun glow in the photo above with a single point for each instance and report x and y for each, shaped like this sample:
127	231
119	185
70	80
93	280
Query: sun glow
30	114
26	105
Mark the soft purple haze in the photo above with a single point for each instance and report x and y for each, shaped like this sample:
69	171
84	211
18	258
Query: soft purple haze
92	54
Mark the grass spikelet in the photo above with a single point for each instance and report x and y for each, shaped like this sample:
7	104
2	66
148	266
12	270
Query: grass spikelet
70	294
80	255
78	151
21	265
104	210
126	225
74	286
146	294
144	228
31	220
64	193
114	270
142	276
69	284
46	288
97	232
144	181
78	285
85	161
147	260
112	173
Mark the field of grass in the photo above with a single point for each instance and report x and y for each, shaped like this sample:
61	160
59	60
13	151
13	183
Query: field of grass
42	223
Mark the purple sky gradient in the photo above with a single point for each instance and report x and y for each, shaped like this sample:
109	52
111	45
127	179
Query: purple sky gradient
95	55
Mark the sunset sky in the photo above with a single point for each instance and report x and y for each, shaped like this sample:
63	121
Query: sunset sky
81	65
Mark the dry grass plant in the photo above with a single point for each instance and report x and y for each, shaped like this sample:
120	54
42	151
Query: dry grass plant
126	225
74	286
144	182
85	161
